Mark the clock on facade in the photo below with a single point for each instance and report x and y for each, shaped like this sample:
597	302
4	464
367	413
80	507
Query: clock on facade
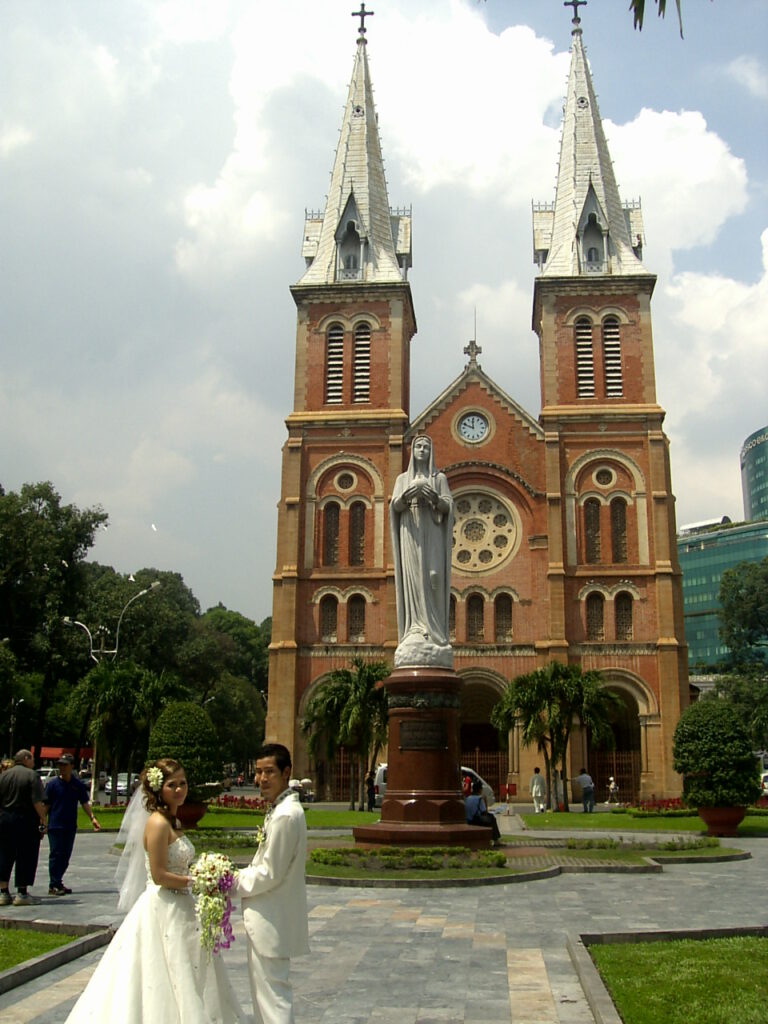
473	426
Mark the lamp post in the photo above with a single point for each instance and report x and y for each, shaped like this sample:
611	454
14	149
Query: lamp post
12	722
101	652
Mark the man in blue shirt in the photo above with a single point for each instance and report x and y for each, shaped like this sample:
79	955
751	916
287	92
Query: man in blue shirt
62	795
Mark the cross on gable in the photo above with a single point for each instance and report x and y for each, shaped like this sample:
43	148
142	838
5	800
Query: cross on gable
575	4
362	14
472	350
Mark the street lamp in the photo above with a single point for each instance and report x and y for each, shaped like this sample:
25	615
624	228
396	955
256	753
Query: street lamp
101	652
12	720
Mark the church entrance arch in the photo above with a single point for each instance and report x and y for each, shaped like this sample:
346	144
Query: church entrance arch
623	763
481	747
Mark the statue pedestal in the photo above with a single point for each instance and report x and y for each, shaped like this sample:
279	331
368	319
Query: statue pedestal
423	805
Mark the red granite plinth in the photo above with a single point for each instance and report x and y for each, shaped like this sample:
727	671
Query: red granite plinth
423	805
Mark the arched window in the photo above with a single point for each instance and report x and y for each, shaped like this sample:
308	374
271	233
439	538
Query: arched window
329	614
356	618
592	530
595	617
614	381
585	359
619	530
452	618
503	618
331	534
334	364
623	610
362	374
475	618
357	533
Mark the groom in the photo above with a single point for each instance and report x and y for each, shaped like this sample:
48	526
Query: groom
274	892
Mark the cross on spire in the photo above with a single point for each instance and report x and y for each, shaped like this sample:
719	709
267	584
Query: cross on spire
575	4
472	350
362	14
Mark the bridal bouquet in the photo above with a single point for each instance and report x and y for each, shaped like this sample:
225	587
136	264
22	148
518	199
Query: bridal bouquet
213	875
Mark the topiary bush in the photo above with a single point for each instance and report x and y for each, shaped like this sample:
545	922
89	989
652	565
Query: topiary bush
713	753
185	732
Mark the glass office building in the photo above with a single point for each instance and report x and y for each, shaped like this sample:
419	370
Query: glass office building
754	474
705	552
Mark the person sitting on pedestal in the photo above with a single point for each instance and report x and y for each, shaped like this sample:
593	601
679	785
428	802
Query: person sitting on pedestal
477	811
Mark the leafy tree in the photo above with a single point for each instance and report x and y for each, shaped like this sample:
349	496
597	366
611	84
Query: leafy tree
747	691
547	703
238	712
350	710
251	643
638	10
744	611
43	544
184	731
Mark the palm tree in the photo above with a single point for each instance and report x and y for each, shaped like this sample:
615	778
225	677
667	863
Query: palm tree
350	710
547	703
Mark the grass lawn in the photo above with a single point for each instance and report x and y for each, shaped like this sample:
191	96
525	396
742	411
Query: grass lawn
223	818
711	981
753	825
18	945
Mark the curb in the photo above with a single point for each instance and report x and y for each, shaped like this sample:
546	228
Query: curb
91	937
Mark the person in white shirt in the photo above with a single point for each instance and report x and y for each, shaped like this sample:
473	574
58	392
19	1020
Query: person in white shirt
273	891
538	791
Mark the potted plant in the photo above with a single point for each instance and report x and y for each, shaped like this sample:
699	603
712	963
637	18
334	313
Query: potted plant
185	732
713	752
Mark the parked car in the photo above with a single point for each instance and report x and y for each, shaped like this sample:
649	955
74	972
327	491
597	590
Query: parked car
46	774
380	784
764	783
122	784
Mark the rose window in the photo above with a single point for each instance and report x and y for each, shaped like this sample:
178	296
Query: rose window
486	532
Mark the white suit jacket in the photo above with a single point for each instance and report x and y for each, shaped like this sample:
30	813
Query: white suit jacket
273	887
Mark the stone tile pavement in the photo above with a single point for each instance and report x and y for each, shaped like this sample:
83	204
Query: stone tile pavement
431	956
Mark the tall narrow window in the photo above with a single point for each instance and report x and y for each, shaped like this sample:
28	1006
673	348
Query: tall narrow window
329	613
334	364
475	618
356	618
452	618
585	359
503	617
331	534
362	377
614	382
592	530
595	617
357	533
619	529
623	610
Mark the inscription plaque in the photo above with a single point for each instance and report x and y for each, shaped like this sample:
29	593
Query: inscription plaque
423	735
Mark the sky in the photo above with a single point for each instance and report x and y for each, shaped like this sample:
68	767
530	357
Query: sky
156	160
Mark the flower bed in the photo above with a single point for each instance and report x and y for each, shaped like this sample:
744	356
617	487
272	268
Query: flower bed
239	803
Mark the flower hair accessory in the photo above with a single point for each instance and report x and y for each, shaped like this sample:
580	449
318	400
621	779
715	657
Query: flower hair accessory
155	778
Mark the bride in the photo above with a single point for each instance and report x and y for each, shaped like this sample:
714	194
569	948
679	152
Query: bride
155	969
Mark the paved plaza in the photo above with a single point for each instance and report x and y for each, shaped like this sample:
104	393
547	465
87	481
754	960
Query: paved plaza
478	955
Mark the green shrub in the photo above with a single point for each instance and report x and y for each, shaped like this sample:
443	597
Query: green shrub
713	752
425	861
185	732
337	858
491	859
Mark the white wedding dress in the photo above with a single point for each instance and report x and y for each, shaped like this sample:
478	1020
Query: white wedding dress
154	969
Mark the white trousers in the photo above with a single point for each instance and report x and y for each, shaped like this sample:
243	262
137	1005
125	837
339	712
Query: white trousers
539	803
271	989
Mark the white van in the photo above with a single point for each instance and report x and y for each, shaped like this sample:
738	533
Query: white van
380	784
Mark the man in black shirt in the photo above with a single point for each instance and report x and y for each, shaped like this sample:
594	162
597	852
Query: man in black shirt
22	824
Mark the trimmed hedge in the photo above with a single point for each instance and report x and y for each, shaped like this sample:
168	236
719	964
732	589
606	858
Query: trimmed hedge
185	732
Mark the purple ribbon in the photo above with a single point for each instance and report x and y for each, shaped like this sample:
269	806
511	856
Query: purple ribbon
226	936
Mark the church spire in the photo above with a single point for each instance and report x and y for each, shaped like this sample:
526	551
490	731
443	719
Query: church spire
588	230
357	238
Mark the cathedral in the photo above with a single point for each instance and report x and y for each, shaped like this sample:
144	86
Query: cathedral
564	534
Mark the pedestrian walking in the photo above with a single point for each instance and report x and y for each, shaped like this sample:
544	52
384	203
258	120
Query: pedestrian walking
22	826
63	796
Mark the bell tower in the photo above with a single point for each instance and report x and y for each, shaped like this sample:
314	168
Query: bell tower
333	592
613	580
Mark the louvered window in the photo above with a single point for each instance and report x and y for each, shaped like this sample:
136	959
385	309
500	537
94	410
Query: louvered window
595	609
585	359
614	383
619	529
503	616
331	534
623	609
329	609
362	380
592	530
356	618
334	364
475	618
357	533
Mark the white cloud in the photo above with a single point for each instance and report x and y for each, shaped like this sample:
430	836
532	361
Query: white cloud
751	74
13	137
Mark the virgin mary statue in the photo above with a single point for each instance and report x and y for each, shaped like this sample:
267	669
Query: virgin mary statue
421	519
